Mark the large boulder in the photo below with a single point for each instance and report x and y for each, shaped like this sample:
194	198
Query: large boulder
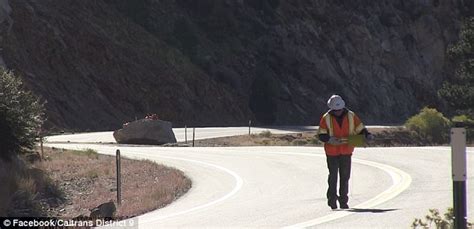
145	131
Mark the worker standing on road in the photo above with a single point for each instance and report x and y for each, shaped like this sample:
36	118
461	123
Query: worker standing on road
335	127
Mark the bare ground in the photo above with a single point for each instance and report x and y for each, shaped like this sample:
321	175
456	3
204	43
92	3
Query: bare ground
87	179
383	137
263	139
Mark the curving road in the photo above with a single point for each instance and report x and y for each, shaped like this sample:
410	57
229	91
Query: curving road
285	186
201	133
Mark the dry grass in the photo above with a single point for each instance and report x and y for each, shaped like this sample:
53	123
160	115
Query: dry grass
398	137
150	186
89	179
70	183
265	138
25	190
10	173
388	137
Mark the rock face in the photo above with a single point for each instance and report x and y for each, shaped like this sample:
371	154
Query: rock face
106	210
222	62
146	131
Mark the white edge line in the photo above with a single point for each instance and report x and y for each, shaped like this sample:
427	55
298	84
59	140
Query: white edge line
400	179
237	187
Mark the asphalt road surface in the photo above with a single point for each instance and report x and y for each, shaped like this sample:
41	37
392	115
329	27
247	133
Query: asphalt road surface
201	133
285	186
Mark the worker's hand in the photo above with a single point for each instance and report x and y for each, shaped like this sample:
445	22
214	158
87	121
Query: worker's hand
335	141
369	137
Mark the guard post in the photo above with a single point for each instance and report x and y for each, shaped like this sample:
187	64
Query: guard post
194	134
458	159
250	125
41	146
119	177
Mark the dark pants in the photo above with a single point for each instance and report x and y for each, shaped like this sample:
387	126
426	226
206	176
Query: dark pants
341	165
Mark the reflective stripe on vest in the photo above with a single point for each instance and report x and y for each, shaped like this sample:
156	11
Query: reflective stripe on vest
350	117
327	118
328	129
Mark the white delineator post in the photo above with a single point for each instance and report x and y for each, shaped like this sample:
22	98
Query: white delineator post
458	158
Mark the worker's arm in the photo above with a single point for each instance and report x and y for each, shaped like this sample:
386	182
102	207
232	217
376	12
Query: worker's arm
323	132
363	130
360	127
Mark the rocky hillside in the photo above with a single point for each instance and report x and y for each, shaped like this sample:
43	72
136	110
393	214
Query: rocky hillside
222	62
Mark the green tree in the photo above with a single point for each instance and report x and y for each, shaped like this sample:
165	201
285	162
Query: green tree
21	115
458	91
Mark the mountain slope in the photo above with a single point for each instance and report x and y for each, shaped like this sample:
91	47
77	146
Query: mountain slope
214	62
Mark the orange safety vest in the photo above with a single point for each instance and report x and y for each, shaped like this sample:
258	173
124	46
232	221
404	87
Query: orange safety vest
351	125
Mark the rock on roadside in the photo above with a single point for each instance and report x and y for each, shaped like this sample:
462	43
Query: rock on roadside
146	131
105	210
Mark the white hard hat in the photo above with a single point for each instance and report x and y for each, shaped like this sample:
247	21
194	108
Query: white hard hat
336	102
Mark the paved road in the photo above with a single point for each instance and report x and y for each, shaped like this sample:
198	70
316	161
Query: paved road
285	186
201	133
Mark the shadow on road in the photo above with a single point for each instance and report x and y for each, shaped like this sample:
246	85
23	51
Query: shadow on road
370	210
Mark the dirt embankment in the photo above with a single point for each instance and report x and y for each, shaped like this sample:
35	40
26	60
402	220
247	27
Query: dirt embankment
71	183
383	138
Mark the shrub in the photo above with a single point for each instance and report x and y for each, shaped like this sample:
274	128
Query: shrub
299	142
463	118
430	124
315	141
266	134
469	121
90	153
21	115
92	174
435	217
266	142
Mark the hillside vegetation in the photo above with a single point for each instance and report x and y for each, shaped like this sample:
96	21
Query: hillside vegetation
20	121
